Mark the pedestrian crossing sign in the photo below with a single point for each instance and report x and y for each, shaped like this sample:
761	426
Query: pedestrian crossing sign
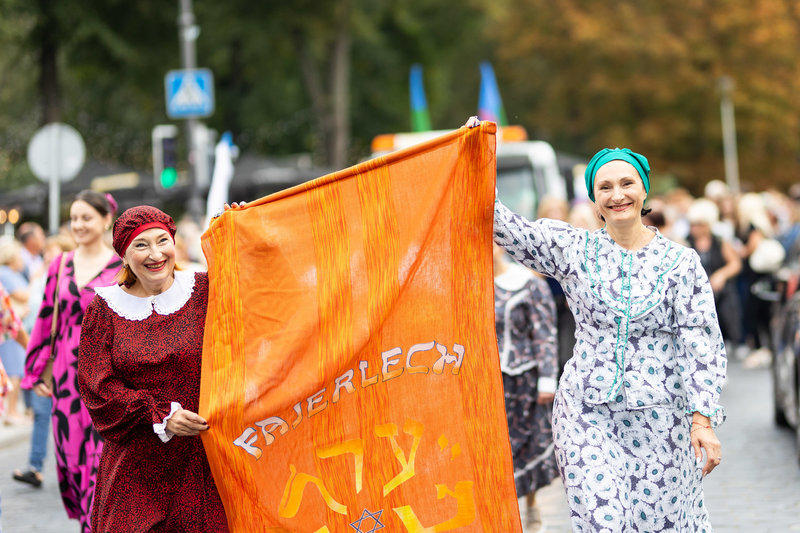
190	93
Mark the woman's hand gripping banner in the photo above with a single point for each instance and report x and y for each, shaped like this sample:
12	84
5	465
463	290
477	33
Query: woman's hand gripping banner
351	379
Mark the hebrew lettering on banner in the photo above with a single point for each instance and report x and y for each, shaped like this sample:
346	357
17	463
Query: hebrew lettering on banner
350	371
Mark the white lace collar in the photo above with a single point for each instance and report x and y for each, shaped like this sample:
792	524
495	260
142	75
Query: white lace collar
138	307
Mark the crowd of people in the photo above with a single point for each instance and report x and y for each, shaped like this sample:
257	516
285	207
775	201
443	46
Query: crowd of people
747	243
567	386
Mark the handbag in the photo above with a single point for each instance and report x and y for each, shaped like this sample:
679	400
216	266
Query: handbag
47	374
768	256
54	324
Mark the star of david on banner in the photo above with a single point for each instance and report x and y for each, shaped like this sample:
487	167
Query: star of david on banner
366	514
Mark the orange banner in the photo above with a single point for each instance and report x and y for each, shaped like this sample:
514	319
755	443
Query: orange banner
350	370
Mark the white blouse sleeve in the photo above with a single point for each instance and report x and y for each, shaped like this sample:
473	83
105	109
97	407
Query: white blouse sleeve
161	429
541	244
701	357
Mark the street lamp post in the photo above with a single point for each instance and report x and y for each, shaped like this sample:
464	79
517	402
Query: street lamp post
725	84
188	32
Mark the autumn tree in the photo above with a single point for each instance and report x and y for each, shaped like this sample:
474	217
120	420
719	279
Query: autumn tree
645	74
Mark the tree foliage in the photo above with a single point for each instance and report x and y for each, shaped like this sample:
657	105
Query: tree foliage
324	77
645	74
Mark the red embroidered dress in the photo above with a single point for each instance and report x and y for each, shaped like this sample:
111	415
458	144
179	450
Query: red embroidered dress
139	363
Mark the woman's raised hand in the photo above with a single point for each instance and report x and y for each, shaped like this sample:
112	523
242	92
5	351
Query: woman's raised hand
472	122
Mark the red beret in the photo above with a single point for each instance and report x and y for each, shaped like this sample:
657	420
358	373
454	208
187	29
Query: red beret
136	220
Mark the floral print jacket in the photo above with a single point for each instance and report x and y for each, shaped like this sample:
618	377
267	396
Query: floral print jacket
647	327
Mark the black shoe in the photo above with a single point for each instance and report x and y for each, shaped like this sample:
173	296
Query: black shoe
31	477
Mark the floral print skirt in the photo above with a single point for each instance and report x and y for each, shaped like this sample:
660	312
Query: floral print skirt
530	433
630	470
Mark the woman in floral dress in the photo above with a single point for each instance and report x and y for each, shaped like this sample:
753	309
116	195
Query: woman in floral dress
525	318
91	265
638	400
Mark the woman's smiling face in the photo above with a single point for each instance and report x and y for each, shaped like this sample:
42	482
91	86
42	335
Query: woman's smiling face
151	257
619	192
86	224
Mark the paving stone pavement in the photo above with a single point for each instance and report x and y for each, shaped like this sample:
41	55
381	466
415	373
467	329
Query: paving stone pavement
755	490
25	509
757	487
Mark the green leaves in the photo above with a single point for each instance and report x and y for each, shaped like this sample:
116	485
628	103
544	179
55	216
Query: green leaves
573	72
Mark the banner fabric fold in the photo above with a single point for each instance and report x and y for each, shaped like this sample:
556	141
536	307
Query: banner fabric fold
350	375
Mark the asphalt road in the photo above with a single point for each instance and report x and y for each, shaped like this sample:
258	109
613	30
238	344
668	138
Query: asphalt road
757	487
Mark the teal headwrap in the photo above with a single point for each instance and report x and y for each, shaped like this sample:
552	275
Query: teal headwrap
605	155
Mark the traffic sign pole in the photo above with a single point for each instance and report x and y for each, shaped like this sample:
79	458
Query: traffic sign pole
188	35
56	153
190	95
55	184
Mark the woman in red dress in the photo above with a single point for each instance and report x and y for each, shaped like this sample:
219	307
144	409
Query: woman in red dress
139	376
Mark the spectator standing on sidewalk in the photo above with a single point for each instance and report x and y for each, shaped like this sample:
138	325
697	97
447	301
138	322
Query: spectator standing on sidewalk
12	353
10	329
636	404
718	192
525	318
51	367
31	236
3	391
755	227
721	263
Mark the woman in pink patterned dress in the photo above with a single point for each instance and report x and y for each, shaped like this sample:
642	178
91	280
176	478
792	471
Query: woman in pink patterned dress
92	264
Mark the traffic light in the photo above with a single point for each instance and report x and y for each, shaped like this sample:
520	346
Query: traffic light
165	156
169	158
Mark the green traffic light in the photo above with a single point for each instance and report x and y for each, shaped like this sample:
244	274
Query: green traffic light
169	177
